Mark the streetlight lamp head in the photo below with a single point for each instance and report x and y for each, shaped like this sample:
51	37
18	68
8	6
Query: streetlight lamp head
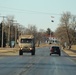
52	20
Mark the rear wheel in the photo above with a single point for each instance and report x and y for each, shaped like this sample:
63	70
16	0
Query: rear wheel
50	54
20	52
59	54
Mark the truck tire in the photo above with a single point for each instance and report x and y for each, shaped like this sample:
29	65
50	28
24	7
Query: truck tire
59	54
33	52
20	52
50	54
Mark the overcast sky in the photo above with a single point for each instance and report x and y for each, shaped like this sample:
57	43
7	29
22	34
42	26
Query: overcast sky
37	12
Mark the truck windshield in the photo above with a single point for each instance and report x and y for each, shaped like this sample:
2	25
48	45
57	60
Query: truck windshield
26	40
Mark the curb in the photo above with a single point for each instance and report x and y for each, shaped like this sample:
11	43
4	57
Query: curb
69	52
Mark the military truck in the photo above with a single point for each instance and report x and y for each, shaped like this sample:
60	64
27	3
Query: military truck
26	44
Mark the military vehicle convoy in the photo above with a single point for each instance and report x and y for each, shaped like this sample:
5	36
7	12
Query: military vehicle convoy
26	44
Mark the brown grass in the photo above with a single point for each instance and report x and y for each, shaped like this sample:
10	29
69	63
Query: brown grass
73	47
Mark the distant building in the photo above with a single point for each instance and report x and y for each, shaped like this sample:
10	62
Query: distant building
53	40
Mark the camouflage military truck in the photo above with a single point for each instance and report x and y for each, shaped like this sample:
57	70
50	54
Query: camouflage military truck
26	44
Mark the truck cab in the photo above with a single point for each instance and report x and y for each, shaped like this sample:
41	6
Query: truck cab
26	44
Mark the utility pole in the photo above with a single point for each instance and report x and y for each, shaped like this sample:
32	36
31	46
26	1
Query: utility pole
15	31
9	31
2	29
15	35
9	34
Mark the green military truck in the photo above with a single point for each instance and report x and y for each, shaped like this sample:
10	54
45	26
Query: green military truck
26	44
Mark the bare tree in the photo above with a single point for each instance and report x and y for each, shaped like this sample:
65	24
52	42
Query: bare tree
73	26
48	32
66	30
32	29
62	35
8	23
73	22
65	21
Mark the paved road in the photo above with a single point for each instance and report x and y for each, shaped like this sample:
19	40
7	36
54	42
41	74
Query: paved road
40	64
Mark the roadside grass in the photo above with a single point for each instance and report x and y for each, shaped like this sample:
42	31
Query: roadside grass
72	51
73	47
13	50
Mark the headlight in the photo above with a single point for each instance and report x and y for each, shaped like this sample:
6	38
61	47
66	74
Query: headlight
21	48
31	48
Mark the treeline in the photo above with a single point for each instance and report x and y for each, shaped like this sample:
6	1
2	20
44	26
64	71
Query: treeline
10	30
66	31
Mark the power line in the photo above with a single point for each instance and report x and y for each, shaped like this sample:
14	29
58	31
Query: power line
30	11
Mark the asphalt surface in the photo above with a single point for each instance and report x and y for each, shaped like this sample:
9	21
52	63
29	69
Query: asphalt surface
40	64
